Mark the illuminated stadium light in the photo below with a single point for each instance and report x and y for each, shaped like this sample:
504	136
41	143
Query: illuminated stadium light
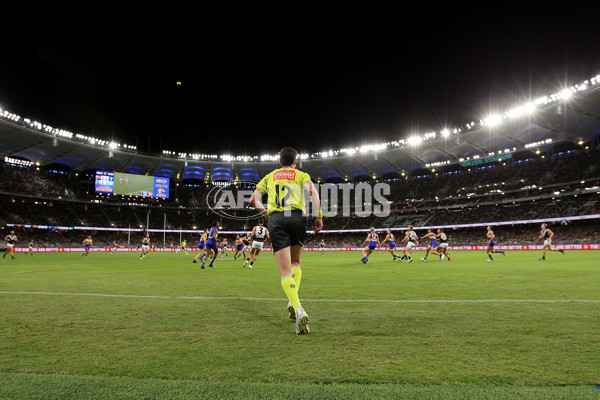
414	140
438	164
18	162
373	147
492	120
349	151
537	144
515	112
567	93
519	111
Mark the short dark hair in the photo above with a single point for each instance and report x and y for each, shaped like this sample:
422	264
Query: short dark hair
261	221
287	156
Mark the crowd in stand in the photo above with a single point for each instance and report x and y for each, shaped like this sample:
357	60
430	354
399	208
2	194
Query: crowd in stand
560	186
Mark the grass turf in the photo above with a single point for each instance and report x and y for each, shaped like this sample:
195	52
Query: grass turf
515	324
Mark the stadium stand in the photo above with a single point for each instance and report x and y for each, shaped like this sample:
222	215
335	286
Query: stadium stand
545	166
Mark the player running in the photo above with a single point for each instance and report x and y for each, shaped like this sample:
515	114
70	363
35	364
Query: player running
372	242
201	244
145	246
287	225
30	247
10	240
491	243
239	247
391	241
211	245
412	239
442	247
259	235
87	244
246	240
223	247
322	246
433	244
547	235
114	247
184	247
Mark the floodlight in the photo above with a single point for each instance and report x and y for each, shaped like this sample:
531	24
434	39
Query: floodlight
414	140
493	120
567	93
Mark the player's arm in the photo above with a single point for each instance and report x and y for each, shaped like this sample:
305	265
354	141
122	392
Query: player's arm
551	234
316	201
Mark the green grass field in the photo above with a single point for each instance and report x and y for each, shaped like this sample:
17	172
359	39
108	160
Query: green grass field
115	326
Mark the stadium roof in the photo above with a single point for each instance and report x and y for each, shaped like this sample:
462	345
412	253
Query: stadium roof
572	120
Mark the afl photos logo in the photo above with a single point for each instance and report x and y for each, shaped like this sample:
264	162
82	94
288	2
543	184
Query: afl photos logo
227	199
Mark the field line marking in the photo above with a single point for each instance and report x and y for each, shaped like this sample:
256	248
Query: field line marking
31	272
307	300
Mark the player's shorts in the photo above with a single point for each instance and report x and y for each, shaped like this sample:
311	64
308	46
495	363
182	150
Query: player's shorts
391	245
433	243
10	245
444	245
201	245
287	229
211	244
240	247
87	247
547	242
257	245
491	244
372	245
410	245
145	247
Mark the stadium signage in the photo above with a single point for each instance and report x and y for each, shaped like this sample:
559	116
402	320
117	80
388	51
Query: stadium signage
486	160
131	184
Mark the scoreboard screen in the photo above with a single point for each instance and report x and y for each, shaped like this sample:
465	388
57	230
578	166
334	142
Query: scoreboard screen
132	184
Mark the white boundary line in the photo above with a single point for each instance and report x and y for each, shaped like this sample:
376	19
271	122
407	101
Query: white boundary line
306	300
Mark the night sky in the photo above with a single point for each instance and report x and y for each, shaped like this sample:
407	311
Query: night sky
310	80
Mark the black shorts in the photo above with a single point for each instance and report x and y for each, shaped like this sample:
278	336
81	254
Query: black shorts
287	229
